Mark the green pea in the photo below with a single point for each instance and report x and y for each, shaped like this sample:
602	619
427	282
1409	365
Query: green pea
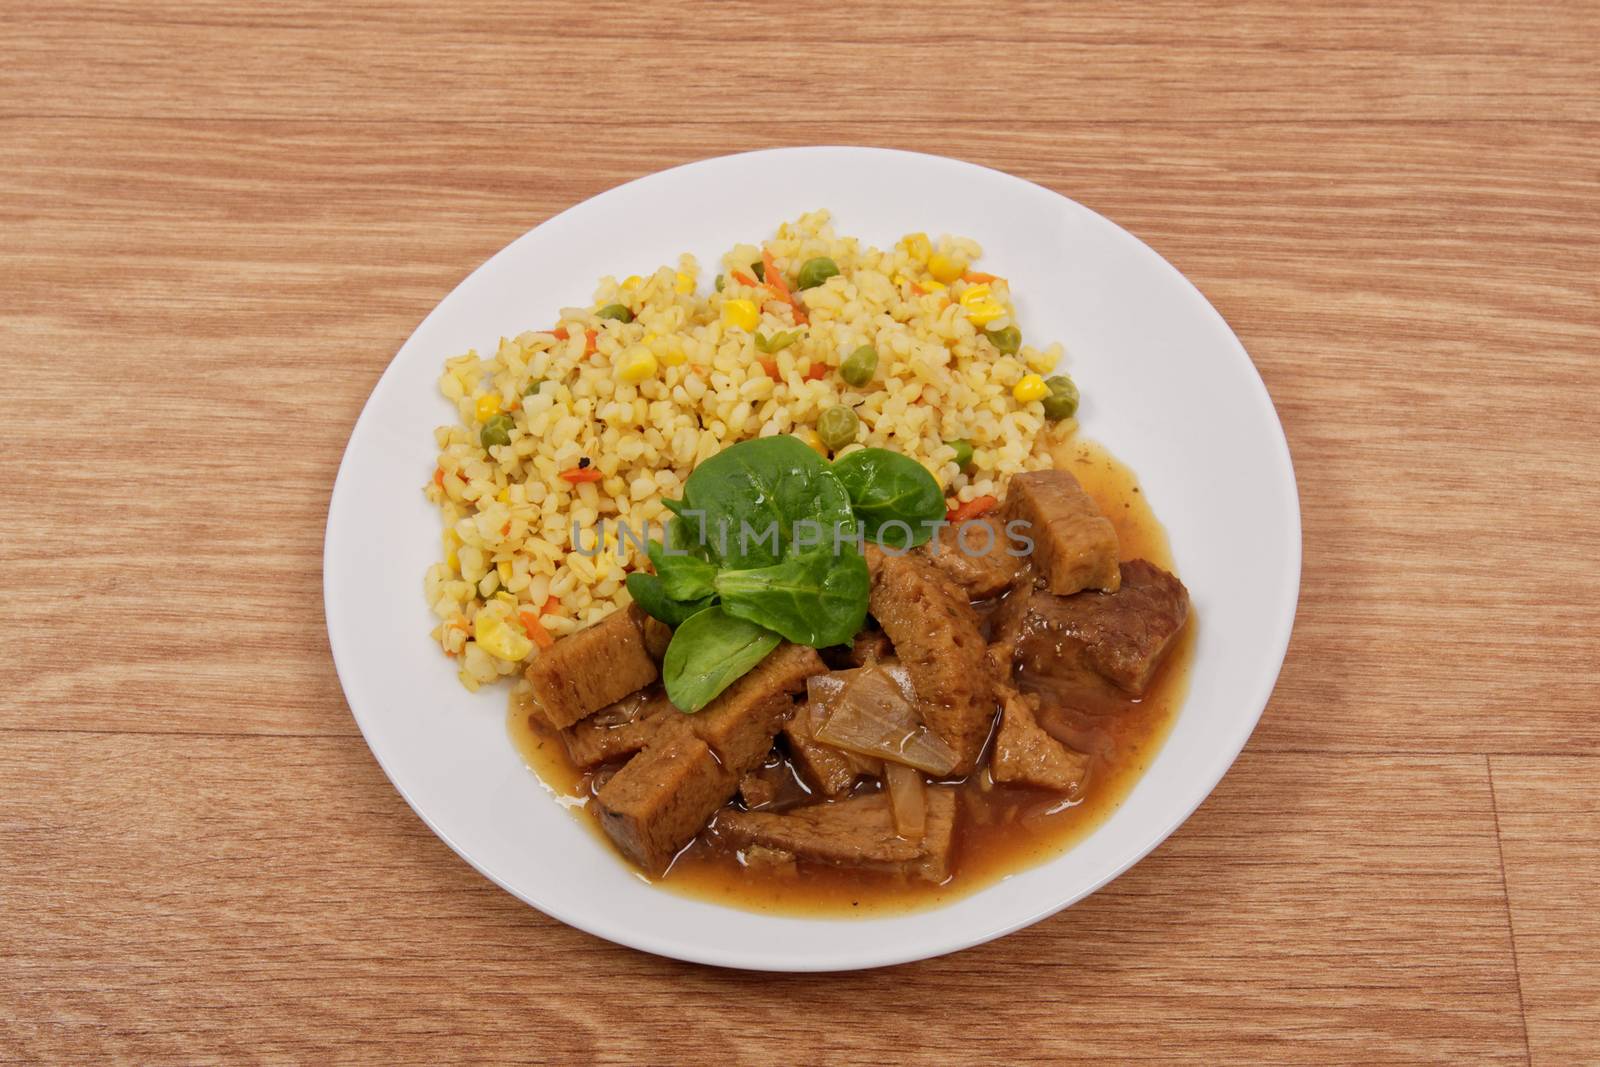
816	271
614	311
963	449
533	387
837	426
720	283
1062	403
1007	340
759	269
777	342
859	366
497	431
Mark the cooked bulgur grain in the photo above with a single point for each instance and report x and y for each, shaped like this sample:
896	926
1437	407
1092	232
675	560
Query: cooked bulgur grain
599	418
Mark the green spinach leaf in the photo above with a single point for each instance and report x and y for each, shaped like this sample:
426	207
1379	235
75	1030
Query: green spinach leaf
815	598
649	593
753	500
683	577
708	653
888	489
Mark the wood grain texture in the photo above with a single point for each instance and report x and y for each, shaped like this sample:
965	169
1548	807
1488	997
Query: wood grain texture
219	223
597	63
220	928
1549	823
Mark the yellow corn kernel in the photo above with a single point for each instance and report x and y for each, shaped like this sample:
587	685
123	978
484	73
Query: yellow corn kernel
984	312
980	306
632	282
497	637
452	561
504	495
945	268
900	279
488	406
682	282
636	364
931	286
741	313
672	353
917	246
814	441
1029	389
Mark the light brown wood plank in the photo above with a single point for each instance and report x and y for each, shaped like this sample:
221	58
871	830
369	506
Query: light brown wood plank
681	61
1421	303
203	898
1549	818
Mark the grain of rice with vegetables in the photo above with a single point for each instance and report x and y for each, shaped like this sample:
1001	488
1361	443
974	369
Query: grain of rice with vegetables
606	412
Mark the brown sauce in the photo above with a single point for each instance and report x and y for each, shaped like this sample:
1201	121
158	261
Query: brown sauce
1000	829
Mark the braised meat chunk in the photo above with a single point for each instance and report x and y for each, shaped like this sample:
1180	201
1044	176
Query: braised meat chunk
660	800
870	646
977	556
935	634
757	790
692	764
1025	755
585	671
619	730
1120	637
858	832
739	725
1075	547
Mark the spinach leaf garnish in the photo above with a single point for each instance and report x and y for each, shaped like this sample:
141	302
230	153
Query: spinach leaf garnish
683	576
764	546
708	653
894	496
815	598
753	498
649	593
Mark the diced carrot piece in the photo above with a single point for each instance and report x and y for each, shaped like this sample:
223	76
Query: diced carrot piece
588	342
972	509
816	372
551	603
582	474
438	477
774	277
977	277
560	333
742	278
770	365
780	287
536	630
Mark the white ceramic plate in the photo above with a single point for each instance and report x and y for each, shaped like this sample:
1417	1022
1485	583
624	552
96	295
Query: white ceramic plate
1166	386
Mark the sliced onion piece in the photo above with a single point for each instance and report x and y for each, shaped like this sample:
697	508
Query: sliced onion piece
908	800
876	715
823	690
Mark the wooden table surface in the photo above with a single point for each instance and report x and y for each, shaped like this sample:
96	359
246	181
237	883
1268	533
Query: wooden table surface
219	222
